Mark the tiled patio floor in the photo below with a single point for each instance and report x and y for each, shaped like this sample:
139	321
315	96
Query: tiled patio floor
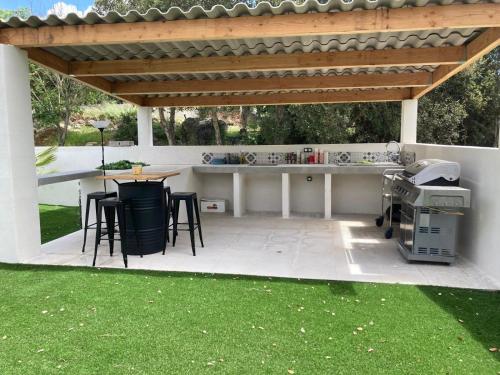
344	248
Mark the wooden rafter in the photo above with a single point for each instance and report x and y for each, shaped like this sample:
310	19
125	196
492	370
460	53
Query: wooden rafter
476	49
339	23
56	64
274	84
294	61
353	96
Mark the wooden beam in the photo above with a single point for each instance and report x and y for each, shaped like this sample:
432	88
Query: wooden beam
279	62
484	43
247	27
379	95
61	66
274	84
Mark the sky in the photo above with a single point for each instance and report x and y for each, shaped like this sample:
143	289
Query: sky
42	7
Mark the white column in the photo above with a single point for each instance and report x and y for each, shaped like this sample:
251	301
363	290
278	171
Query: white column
19	220
328	195
285	195
238	194
409	109
145	126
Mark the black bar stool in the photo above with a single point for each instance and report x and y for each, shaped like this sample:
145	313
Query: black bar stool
112	205
191	203
96	196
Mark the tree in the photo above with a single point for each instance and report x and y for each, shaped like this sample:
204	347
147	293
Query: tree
23	12
215	124
168	126
123	6
56	98
244	113
467	105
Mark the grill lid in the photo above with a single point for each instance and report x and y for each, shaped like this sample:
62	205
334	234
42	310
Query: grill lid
432	172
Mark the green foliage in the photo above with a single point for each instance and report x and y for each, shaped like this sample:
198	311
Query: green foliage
465	110
23	13
44	158
126	126
123	6
108	109
194	131
121	165
85	135
327	123
56	99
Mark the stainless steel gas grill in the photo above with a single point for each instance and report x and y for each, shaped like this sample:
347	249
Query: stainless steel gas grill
431	204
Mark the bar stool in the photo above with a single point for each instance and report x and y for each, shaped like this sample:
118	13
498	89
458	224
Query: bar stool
112	205
191	203
96	196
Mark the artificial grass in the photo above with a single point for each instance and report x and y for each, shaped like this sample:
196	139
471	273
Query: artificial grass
57	320
57	221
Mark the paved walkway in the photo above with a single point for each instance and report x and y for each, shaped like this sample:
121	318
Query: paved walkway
343	248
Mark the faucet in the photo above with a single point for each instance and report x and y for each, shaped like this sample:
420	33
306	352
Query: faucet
388	152
396	143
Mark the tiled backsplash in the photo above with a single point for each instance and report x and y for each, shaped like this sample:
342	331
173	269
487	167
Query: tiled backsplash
270	158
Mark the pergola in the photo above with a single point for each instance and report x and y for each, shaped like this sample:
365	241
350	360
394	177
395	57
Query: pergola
360	51
335	52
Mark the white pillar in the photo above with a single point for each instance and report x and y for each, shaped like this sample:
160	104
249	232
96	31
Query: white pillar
238	194
328	195
409	109
19	220
285	195
145	126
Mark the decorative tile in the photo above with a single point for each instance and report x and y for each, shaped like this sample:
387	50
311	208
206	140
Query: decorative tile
374	156
250	157
339	157
275	157
206	157
269	158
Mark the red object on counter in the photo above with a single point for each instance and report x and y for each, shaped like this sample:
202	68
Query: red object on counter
310	159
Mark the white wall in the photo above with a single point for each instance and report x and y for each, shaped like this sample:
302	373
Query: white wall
307	196
89	157
217	186
263	193
479	234
356	194
63	193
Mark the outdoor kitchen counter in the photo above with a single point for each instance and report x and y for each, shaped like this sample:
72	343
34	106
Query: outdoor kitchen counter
293	168
240	172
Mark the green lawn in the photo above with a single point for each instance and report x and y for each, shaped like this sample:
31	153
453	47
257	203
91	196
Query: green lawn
57	320
57	221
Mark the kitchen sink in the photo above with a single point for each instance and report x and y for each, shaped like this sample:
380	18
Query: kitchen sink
370	164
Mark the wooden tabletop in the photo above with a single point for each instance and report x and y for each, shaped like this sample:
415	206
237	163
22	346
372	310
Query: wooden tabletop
139	177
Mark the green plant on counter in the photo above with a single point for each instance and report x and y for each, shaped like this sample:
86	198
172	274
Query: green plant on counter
121	165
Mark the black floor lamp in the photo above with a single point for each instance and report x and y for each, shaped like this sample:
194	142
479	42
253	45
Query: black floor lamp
101	125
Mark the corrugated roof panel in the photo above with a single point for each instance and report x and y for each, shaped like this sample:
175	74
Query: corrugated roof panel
324	43
263	93
268	74
218	11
